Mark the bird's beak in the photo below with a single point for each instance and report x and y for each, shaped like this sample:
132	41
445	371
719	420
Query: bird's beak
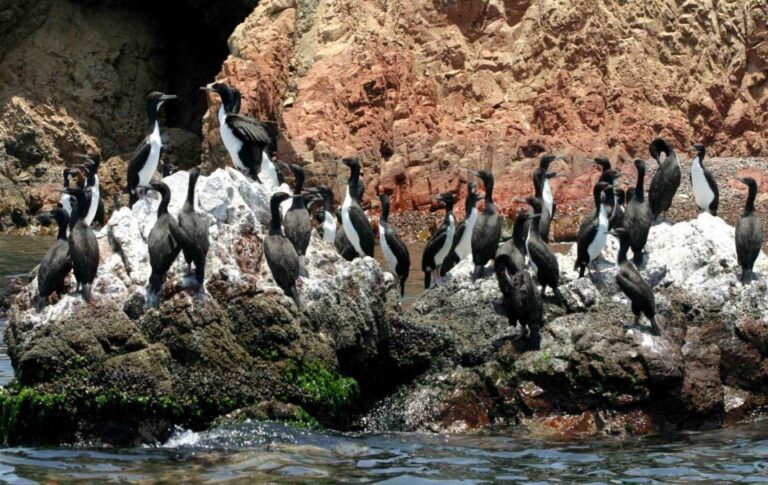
63	191
207	88
83	156
476	174
145	187
282	165
522	201
534	216
560	176
168	97
561	157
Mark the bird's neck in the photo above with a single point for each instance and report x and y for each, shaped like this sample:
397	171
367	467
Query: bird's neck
353	188
191	190
384	217
328	205
162	209
489	207
749	207
62	234
639	186
596	196
449	220
538	185
152	115
275	228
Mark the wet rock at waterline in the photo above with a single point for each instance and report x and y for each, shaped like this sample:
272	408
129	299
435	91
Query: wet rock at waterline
596	372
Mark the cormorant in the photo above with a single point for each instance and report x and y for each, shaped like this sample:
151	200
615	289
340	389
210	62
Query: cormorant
196	228
83	246
280	254
487	230
96	209
357	227
440	243
593	232
249	141
66	199
296	223
749	232
519	297
703	183
541	258
144	163
57	263
462	240
633	285
637	216
394	249
665	181
328	221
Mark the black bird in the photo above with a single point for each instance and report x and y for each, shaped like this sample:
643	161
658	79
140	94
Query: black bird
281	256
520	231
96	208
296	222
144	163
666	180
610	176
462	240
487	230
749	232
196	228
57	263
637	216
542	189
341	242
593	232
440	243
703	183
83	246
519	296
394	249
633	285
164	244
357	227
328	220
250	142
541	258
618	213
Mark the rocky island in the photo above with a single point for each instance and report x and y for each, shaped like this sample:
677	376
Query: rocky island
116	373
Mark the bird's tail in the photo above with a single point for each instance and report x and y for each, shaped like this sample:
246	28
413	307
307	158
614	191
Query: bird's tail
655	325
427	279
153	293
87	292
41	301
637	258
478	272
132	198
402	286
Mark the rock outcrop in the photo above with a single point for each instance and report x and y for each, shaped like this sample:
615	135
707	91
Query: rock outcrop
595	371
117	372
424	88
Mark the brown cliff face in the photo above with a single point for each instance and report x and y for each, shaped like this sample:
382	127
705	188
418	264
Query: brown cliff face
421	89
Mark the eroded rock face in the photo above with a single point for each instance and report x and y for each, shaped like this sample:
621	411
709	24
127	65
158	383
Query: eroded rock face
422	88
595	371
193	359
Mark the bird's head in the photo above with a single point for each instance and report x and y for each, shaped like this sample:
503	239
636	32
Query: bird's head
603	163
325	192
698	150
155	100
640	165
484	175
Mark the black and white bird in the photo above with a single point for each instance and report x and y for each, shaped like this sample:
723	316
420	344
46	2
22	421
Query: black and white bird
83	246
542	260
196	228
704	186
296	222
749	232
56	263
341	242
637	216
250	142
439	244
328	219
666	180
165	242
395	251
146	158
66	199
462	240
487	230
96	208
543	191
593	232
620	209
281	256
610	176
357	227
633	285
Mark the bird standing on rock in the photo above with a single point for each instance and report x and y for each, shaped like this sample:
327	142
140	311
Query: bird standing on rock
749	232
196	228
96	207
296	222
439	244
357	227
57	263
462	240
704	186
249	141
665	181
593	232
144	163
633	285
394	249
487	230
637	216
541	258
328	219
281	256
83	246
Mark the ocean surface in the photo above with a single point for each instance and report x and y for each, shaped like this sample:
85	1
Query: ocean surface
260	452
